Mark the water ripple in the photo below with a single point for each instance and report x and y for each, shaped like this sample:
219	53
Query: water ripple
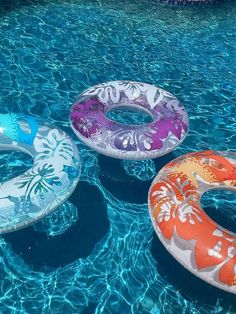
50	52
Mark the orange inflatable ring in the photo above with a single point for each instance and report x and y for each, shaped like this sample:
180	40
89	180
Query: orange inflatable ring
195	240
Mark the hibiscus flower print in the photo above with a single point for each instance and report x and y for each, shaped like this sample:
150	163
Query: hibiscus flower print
55	144
87	127
39	179
132	138
175	207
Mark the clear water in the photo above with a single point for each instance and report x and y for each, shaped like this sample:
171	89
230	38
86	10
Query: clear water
131	116
106	258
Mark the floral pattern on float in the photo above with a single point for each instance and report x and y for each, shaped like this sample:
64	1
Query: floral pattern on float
49	182
196	241
167	130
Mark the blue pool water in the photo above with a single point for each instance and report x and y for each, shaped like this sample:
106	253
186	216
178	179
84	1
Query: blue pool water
98	253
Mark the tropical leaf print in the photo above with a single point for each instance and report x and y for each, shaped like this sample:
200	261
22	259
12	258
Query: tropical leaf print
132	90
156	95
40	179
55	144
105	92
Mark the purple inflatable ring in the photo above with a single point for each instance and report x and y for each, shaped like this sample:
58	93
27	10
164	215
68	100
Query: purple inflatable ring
159	137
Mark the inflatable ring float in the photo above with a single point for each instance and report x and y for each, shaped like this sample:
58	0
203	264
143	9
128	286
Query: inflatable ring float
50	181
195	240
90	123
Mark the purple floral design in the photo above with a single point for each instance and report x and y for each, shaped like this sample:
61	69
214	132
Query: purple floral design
163	134
170	119
88	117
132	139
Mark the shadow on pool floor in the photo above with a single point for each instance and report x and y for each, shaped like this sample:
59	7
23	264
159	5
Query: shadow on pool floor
40	251
123	186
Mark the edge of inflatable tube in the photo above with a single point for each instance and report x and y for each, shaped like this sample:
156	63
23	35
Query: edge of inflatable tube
226	288
122	154
33	220
212	283
105	152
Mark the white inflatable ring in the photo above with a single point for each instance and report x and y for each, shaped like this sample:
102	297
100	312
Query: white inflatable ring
52	178
159	137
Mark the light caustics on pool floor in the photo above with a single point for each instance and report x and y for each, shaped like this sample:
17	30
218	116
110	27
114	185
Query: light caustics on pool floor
189	2
109	279
50	52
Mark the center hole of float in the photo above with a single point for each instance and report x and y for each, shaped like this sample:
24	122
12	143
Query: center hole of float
13	164
220	205
128	115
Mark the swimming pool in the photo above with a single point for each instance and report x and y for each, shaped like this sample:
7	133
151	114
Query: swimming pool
98	253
